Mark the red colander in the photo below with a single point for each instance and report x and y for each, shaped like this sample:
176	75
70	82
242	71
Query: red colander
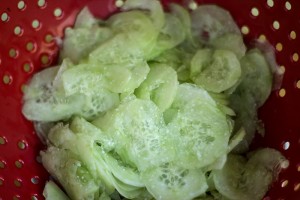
28	30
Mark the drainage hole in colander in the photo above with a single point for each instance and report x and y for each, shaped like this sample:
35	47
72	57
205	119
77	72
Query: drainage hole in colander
34	198
45	59
270	3
27	67
22	145
288	5
13	53
19	164
35	180
7	79
282	92
16	197
30	46
18	182
281	70
284	183
2	140
262	38
293	35
298	84
2	164
48	38
41	3
58	13
276	25
119	3
18	31
36	24
21	5
297	187
4	17
245	30
295	57
254	12
286	145
279	47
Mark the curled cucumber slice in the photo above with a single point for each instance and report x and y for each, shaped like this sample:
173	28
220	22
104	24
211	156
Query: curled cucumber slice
215	70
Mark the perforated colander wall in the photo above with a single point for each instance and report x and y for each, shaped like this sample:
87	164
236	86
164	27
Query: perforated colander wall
28	33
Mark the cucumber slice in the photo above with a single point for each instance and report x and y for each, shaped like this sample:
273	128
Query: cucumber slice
139	130
53	192
179	60
216	70
160	86
91	79
123	172
71	173
246	117
231	42
138	28
242	179
202	129
44	103
62	137
79	42
210	22
257	76
86	35
168	181
115	51
170	35
184	16
155	8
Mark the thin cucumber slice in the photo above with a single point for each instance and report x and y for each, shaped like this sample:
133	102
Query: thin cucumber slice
191	117
231	42
160	86
53	192
216	71
169	181
210	22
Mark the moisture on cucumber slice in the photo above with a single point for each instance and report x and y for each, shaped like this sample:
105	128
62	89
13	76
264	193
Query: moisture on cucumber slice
42	102
216	70
79	42
138	127
84	147
71	173
80	125
84	37
139	30
210	22
202	129
115	50
168	181
160	86
53	192
91	78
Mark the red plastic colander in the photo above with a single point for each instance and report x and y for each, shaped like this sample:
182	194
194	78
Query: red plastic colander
28	30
